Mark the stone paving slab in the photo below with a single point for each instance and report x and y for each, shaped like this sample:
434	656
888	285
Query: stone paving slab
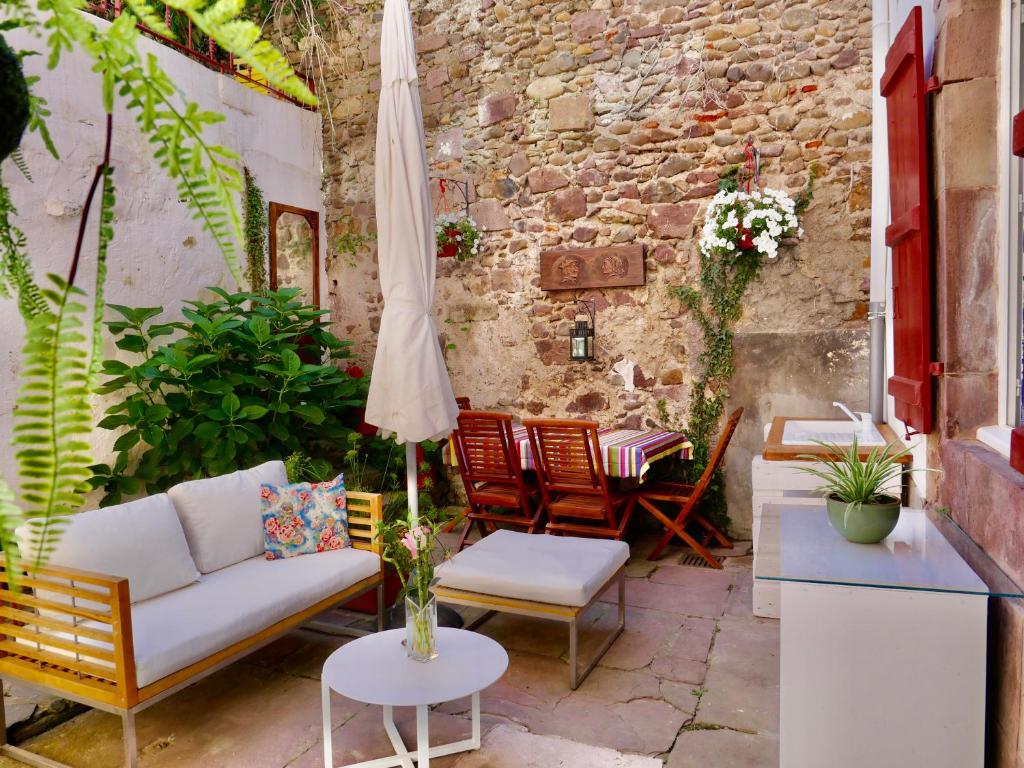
723	748
241	716
671	598
506	747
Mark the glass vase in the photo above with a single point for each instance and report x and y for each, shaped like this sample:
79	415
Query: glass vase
421	629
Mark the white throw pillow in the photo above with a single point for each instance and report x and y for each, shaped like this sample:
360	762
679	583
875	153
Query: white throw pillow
141	540
221	515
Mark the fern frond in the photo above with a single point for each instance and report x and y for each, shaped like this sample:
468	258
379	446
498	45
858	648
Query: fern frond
149	16
18	158
15	268
10	518
242	38
38	111
53	417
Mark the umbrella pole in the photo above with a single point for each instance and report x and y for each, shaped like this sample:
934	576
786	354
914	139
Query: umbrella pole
410	483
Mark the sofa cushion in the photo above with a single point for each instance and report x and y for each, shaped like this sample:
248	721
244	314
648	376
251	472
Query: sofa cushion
560	570
141	541
304	518
180	628
221	515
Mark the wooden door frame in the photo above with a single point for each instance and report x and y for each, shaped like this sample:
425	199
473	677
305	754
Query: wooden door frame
313	218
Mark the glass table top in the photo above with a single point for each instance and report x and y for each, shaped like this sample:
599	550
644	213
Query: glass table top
926	552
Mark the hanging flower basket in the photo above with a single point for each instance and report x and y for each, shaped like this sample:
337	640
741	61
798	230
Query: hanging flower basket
457	236
448	242
749	224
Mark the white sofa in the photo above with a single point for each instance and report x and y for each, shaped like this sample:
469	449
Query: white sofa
139	600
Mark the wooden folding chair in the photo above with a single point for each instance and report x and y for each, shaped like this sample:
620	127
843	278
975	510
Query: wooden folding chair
492	472
573	484
686	498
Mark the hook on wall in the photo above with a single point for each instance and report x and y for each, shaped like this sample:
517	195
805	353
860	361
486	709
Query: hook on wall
443	185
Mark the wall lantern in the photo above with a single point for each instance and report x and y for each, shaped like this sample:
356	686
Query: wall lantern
581	337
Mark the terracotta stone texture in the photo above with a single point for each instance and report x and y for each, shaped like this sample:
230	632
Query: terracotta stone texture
566	205
986	498
967	46
489	215
966	114
967	284
494	109
572	112
965	402
547	179
671	220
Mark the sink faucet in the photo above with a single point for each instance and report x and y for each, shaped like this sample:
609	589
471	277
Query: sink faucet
863	420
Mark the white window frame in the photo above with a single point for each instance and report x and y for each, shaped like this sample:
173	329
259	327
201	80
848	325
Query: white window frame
1011	237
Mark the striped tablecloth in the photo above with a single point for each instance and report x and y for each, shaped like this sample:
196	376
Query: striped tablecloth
625	452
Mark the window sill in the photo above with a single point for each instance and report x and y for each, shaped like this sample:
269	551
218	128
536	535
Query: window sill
996	437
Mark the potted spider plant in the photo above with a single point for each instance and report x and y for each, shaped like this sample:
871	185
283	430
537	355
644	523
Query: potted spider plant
860	506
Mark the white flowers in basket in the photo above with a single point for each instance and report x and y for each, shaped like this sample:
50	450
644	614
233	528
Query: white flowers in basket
749	222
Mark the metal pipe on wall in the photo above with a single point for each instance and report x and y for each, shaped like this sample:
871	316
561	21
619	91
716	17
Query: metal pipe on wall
879	213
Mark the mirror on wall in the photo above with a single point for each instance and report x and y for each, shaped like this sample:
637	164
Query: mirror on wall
295	250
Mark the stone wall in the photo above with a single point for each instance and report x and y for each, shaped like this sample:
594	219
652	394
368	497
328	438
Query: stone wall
978	487
610	121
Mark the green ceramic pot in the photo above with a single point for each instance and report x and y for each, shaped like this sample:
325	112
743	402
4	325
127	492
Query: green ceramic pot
865	523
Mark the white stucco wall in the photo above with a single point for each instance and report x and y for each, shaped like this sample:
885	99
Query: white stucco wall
159	255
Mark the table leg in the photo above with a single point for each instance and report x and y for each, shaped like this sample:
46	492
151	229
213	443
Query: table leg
326	708
476	721
422	737
401	751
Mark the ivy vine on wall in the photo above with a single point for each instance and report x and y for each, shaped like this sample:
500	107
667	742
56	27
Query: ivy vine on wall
254	215
716	307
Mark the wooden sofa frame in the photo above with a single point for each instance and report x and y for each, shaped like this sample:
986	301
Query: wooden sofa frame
111	684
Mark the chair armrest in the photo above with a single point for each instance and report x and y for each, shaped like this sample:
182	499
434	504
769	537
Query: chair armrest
70	630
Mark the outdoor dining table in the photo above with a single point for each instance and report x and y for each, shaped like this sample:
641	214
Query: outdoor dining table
625	453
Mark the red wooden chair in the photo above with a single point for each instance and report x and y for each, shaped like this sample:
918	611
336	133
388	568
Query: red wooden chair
686	498
573	484
463	403
491	470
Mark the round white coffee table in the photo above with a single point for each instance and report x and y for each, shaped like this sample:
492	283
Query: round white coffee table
376	670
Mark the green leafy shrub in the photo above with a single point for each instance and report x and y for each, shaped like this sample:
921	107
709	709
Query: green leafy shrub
224	388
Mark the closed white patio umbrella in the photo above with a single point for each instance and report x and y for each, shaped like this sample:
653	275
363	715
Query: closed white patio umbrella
410	393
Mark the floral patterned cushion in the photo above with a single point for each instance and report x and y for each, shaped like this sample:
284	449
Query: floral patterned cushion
304	518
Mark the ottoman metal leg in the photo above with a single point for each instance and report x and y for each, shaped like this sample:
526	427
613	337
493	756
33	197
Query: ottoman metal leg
575	678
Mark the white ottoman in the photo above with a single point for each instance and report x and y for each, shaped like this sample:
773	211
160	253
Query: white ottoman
548	577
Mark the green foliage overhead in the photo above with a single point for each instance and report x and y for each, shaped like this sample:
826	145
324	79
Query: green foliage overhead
53	419
226	387
254	212
16	279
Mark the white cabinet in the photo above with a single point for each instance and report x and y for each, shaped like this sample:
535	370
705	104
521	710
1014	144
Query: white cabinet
883	646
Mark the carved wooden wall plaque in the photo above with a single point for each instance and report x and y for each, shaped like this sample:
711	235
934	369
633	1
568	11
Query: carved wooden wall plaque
613	266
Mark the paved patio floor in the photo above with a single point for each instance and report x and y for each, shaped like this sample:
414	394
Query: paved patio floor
693	681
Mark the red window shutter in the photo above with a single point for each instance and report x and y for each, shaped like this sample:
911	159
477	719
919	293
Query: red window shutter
909	234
